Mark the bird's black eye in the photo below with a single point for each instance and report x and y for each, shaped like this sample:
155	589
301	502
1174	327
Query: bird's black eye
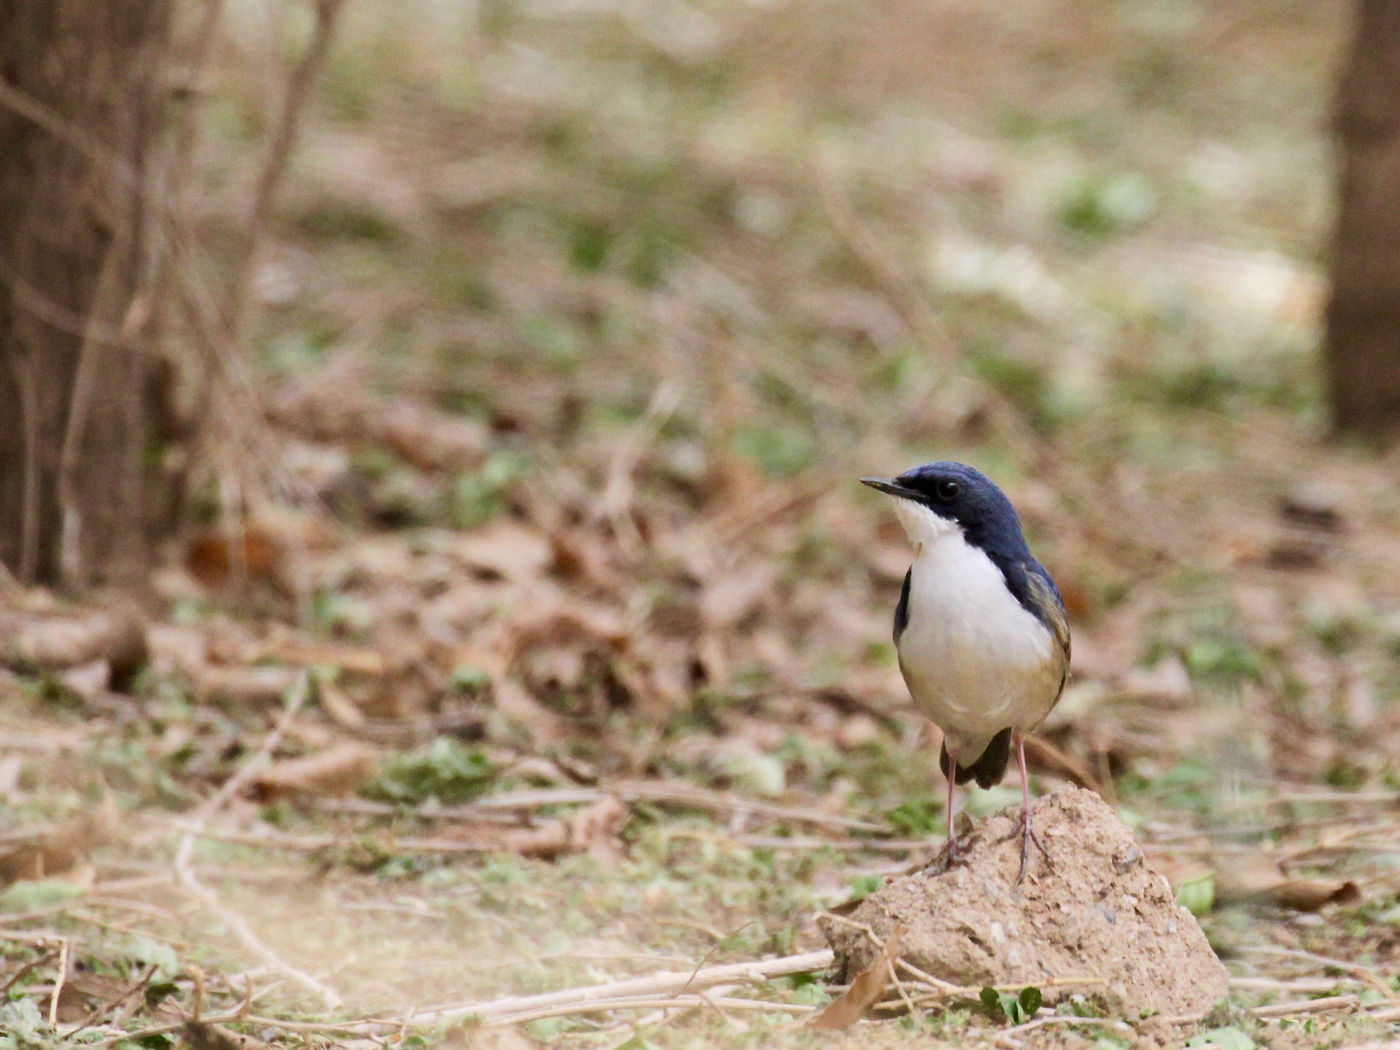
947	490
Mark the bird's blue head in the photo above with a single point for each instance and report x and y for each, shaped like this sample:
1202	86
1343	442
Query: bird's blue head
936	499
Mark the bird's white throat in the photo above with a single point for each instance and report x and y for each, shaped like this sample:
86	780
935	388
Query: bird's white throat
922	525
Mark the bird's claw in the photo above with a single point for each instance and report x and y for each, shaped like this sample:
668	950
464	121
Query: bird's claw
949	855
1026	830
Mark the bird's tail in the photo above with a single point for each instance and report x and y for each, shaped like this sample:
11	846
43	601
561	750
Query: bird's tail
988	768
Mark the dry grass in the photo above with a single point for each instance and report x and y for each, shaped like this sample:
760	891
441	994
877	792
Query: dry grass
578	324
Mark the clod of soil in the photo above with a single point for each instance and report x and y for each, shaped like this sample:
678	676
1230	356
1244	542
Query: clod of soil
1093	909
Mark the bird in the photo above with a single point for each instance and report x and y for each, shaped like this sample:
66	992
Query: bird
980	629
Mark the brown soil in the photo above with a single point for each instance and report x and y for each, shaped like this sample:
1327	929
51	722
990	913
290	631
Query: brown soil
1093	909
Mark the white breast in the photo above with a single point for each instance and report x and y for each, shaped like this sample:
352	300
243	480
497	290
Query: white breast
975	660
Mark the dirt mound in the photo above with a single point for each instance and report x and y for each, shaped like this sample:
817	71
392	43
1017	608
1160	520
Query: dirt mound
1094	909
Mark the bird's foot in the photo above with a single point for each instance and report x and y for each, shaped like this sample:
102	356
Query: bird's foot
949	855
1026	830
1028	836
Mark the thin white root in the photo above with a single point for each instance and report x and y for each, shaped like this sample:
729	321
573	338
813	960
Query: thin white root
184	869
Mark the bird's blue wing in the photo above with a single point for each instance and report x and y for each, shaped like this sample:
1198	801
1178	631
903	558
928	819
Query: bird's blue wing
1043	599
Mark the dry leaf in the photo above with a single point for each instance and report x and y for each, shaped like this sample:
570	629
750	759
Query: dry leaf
338	706
591	829
309	653
431	440
337	771
730	599
220	557
72	1004
712	657
30	644
204	1036
11	767
63	850
1312	894
335	405
1314	504
84	992
88	681
577	556
243	686
865	991
1256	877
596	829
505	550
514	702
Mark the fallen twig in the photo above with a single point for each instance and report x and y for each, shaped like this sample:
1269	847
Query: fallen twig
1009	1034
184	871
24	971
274	166
626	790
619	491
1306	1006
1299	1006
811	842
1299	987
548	842
1365	974
689	1000
653	987
113	1005
1246	831
138	1037
63	947
1313	797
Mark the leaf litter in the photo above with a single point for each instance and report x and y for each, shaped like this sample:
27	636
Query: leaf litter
687	613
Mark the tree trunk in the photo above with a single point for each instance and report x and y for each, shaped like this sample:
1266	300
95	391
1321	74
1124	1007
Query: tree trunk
1363	318
83	88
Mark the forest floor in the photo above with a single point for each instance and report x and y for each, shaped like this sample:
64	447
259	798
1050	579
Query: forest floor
541	638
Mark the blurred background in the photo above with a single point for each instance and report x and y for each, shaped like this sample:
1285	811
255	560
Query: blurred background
503	372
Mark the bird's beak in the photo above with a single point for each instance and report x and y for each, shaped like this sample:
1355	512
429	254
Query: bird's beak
890	488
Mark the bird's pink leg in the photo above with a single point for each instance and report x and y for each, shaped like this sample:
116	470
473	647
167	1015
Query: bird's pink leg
945	860
1028	834
951	849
